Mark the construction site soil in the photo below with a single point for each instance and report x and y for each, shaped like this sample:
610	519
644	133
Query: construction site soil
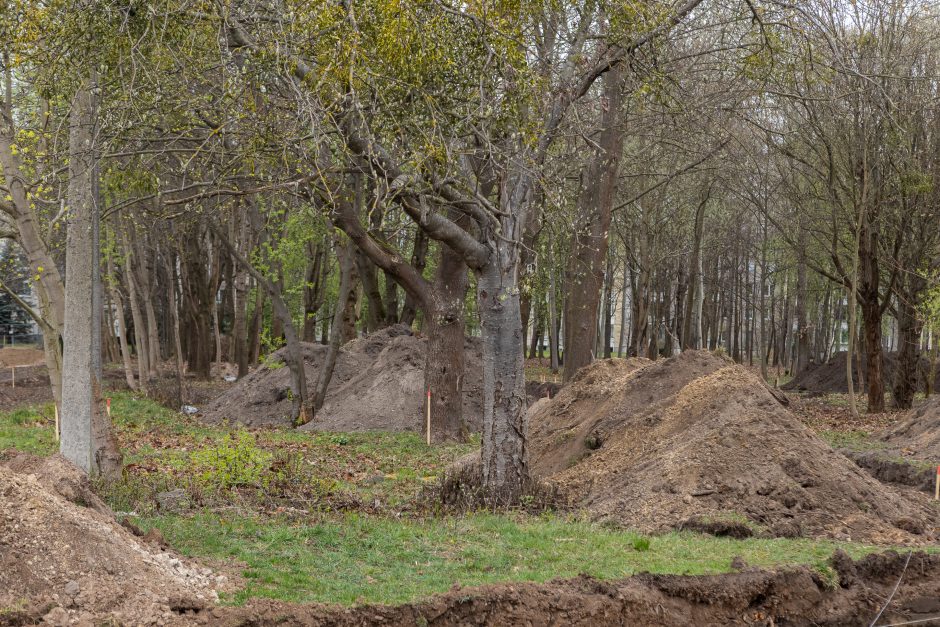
918	435
64	558
377	385
829	377
671	443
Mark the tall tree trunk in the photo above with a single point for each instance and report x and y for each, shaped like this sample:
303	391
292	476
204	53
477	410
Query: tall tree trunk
589	243
909	356
314	287
86	440
140	331
345	253
802	325
122	330
552	314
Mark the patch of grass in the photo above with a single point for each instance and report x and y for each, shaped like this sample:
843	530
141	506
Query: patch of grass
365	559
29	429
855	440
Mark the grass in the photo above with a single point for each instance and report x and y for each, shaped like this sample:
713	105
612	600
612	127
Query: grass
364	559
29	429
335	523
854	440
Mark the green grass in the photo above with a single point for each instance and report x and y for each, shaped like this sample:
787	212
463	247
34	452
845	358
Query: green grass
29	429
362	559
339	525
854	440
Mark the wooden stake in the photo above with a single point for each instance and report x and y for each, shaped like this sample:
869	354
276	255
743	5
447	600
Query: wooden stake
429	416
936	494
13	369
108	407
56	407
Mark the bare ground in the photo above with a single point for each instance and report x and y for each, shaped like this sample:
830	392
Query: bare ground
63	561
655	445
378	384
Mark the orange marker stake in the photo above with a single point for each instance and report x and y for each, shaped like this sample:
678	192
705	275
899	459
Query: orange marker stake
108	407
429	416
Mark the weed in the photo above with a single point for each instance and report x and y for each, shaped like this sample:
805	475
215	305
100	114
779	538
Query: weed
235	461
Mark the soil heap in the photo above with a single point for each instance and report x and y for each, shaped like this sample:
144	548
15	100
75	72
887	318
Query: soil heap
696	439
829	378
62	562
377	385
918	436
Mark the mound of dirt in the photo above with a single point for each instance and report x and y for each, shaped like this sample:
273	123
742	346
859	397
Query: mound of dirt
829	378
653	445
918	436
63	563
378	384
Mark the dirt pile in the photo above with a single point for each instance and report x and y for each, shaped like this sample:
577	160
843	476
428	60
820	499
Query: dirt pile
378	384
61	562
918	435
829	378
656	445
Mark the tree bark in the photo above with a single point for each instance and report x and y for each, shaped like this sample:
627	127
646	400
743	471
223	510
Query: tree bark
589	243
444	366
86	440
345	253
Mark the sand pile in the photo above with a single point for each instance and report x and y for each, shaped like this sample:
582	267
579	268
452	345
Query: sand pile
696	439
378	384
62	562
829	378
918	435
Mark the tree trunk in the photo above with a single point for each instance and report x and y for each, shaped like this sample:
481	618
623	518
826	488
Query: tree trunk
419	256
345	253
505	461
122	330
908	360
589	243
444	367
86	440
140	332
317	272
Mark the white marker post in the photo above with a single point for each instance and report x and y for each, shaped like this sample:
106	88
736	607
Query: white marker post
56	407
429	416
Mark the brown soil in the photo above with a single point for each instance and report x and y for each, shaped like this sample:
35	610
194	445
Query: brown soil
11	356
830	377
651	445
918	435
794	596
378	384
63	562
